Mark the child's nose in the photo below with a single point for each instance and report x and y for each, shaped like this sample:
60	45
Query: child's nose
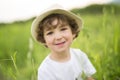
58	35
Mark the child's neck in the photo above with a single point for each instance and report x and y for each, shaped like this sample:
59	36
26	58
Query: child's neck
61	57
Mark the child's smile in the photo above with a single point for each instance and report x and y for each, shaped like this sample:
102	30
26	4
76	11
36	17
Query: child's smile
58	39
60	44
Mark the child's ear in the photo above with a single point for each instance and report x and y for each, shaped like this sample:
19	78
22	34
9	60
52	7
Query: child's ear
74	35
45	45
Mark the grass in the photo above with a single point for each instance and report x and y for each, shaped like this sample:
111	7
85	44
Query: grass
20	56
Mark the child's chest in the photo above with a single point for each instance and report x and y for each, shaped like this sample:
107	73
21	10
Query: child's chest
68	71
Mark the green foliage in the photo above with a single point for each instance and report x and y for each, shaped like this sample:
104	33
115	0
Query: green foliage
20	56
97	9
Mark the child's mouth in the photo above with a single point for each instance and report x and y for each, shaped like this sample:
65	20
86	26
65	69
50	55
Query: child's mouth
61	43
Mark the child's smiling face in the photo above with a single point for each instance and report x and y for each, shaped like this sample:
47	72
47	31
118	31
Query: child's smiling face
54	21
58	38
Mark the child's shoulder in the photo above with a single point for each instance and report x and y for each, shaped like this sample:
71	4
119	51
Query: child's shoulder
77	52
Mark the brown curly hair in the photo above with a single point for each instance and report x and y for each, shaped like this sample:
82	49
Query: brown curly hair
47	23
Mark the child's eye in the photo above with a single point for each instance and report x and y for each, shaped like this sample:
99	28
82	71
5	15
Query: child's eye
49	33
63	29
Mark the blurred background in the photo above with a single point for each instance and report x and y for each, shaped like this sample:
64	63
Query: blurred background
20	55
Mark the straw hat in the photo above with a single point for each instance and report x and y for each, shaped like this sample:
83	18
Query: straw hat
53	9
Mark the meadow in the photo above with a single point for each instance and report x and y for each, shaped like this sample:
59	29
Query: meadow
20	55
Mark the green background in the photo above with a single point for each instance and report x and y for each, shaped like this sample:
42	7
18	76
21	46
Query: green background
20	55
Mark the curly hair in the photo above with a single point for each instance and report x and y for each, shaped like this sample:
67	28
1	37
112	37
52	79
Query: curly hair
46	23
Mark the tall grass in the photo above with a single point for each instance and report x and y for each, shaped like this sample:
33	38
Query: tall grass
100	40
20	56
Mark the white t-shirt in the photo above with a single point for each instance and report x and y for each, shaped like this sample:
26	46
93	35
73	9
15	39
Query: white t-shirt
70	70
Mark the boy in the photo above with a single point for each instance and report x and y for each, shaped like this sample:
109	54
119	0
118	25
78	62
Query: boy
56	28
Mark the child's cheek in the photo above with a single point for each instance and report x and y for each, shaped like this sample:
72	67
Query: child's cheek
49	39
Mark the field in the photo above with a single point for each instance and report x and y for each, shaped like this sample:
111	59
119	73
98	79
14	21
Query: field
20	55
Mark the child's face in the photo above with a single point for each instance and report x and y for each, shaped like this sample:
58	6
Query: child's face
58	39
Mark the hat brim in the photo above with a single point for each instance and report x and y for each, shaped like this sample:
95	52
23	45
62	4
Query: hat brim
38	19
